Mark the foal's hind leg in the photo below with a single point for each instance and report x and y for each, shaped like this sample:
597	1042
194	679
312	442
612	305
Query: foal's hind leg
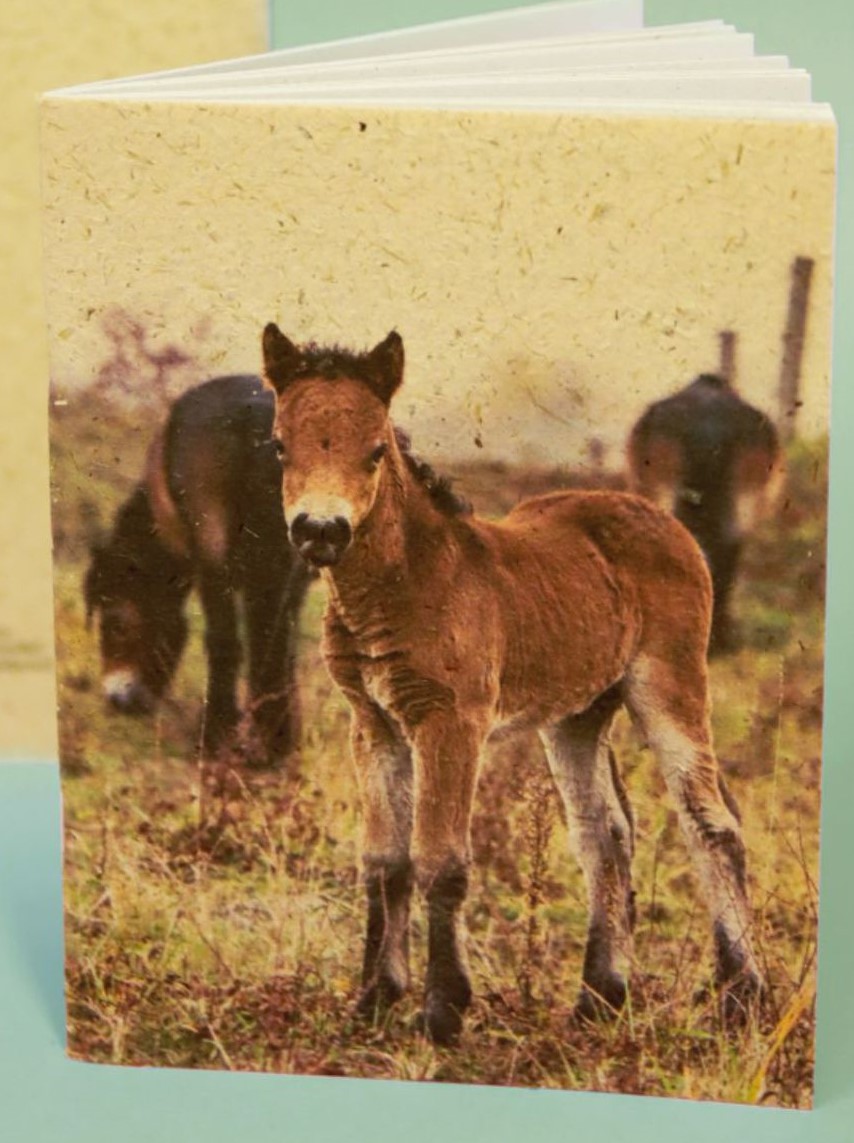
674	718
601	835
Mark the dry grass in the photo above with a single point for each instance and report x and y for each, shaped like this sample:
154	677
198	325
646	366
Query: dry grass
214	917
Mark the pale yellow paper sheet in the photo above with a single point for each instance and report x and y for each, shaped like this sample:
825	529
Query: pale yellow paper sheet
517	253
45	44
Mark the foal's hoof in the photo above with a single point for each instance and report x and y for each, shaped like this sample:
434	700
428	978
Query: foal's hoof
376	1000
441	1022
600	1002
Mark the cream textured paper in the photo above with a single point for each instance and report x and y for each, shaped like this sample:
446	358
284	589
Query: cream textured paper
549	274
45	45
472	234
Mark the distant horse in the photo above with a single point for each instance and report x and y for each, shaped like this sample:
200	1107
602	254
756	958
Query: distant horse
715	462
207	512
442	628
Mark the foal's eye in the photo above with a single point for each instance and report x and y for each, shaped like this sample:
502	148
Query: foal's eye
280	449
377	455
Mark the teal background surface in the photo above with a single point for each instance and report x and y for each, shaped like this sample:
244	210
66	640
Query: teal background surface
45	1097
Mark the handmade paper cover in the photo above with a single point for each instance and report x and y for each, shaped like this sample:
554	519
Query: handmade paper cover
46	45
551	276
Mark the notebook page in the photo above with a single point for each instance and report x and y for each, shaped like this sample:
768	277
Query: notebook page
707	45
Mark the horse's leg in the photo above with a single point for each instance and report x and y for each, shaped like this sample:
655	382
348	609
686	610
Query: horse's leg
724	564
601	835
384	775
446	755
272	612
673	713
223	655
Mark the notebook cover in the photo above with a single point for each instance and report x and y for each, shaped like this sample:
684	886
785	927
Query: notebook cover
552	277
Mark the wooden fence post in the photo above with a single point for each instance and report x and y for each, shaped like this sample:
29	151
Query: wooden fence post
793	346
727	339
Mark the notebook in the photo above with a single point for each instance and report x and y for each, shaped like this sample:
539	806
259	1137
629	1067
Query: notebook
439	430
45	45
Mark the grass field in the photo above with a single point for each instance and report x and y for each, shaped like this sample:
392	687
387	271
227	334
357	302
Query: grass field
214	917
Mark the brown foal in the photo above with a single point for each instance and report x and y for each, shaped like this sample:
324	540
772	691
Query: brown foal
442	628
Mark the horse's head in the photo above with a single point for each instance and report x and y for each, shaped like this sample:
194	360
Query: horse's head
333	434
141	626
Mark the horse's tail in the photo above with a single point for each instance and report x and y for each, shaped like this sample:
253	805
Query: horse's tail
655	464
759	476
168	522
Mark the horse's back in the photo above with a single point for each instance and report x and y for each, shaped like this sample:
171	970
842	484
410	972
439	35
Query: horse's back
708	456
707	417
617	516
221	472
623	528
228	406
628	575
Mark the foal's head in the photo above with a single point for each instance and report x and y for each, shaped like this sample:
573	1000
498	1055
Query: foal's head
333	435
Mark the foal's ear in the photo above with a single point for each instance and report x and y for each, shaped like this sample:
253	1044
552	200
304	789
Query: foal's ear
386	364
281	358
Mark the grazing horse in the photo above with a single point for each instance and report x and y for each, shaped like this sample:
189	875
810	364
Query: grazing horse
442	628
206	513
715	462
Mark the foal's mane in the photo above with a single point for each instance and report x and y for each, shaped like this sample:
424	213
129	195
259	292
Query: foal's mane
332	362
439	488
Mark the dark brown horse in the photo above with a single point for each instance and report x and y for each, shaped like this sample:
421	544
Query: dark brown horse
715	462
442	628
207	513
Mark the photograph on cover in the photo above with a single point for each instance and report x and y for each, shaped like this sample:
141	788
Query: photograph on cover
439	510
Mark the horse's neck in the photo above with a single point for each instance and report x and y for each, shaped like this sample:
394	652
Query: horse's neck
138	537
378	569
135	521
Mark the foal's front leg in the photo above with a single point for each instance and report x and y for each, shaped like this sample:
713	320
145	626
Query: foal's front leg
446	755
384	774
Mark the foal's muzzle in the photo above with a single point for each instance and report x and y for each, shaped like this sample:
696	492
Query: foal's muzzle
320	541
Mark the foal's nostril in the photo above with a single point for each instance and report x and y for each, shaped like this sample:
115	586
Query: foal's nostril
338	532
298	528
